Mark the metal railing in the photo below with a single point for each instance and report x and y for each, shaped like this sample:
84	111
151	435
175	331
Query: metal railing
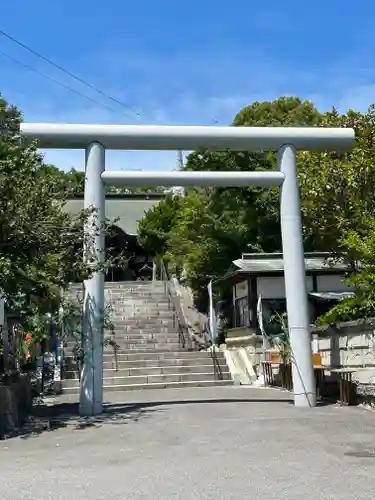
174	304
187	340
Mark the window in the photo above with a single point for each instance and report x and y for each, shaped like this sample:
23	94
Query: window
241	312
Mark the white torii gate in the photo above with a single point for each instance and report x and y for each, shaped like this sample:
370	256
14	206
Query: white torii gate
95	139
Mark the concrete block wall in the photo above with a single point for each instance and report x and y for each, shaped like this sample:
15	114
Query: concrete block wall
350	344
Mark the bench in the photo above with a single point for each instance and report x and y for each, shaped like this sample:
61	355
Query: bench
285	370
345	376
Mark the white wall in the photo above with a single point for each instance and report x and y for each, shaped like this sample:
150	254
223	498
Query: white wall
274	288
332	283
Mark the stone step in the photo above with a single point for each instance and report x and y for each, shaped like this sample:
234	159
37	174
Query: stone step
171	337
152	379
153	370
131	346
133	338
136	331
137	297
141	345
111	364
162	363
152	327
142	340
150	338
138	348
141	319
129	284
142	306
141	311
124	284
147	313
155	321
120	319
160	385
121	330
146	335
132	355
130	299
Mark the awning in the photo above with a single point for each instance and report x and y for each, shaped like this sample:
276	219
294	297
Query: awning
325	296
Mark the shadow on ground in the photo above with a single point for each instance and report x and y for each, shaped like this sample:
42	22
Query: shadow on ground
63	415
46	418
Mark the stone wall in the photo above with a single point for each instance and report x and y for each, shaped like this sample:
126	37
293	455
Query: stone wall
15	405
350	344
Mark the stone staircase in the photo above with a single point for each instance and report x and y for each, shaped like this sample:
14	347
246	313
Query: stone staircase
147	349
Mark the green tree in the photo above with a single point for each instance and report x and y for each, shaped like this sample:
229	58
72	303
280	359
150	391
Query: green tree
154	229
39	241
214	226
338	190
360	248
285	112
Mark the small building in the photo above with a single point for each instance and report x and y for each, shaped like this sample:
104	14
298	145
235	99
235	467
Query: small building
262	275
126	210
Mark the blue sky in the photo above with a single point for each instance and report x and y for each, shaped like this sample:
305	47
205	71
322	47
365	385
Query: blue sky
194	62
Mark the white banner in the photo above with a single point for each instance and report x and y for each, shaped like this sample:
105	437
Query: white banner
266	342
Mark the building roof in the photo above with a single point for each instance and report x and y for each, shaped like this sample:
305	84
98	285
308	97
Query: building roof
330	296
126	210
124	196
272	263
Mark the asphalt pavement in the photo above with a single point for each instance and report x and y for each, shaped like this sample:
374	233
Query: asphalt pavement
203	443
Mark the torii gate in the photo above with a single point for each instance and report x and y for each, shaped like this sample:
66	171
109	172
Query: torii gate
95	139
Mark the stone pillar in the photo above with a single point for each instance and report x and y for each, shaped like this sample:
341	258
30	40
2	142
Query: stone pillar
304	389
91	388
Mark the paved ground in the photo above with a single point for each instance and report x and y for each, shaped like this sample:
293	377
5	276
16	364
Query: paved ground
224	443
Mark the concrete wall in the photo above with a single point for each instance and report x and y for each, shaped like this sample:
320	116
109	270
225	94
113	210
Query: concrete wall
274	287
350	344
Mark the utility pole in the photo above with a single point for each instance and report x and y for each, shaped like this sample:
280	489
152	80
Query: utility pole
180	160
180	166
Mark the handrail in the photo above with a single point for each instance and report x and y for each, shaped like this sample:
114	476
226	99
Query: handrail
174	301
187	341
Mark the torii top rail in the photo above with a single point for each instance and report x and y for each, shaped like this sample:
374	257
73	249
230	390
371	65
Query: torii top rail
160	137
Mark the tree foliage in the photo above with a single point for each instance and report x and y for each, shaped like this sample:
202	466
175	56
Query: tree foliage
39	241
154	230
214	226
